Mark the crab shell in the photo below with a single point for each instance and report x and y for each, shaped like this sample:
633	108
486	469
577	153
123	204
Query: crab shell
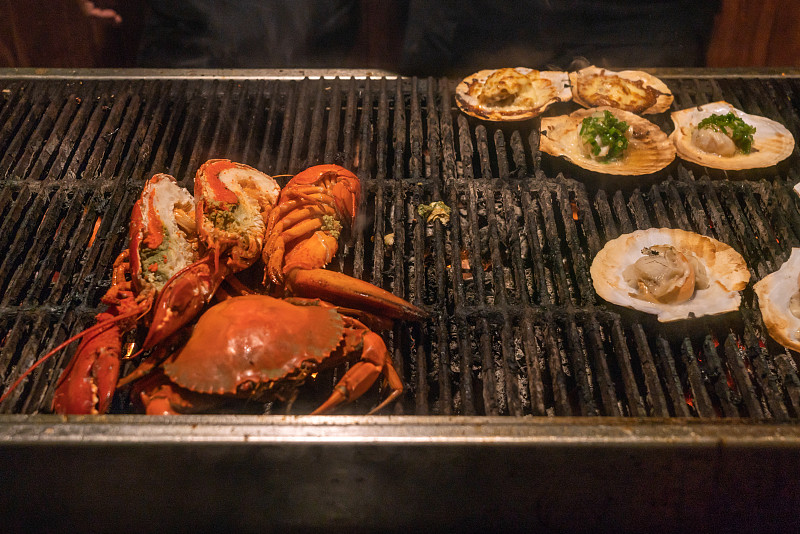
726	270
244	342
774	292
630	90
649	149
772	142
551	87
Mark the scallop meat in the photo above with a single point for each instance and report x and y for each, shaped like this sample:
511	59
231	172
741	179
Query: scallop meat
671	273
648	147
757	142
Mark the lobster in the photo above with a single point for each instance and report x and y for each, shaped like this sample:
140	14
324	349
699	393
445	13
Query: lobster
161	280
233	201
161	244
303	236
258	346
236	221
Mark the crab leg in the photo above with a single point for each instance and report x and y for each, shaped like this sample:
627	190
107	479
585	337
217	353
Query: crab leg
375	361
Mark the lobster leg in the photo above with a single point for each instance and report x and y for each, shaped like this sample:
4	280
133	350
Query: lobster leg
361	376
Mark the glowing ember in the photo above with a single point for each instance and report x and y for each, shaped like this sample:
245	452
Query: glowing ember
94	231
729	380
466	267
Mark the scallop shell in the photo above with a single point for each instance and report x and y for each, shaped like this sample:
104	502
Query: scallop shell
774	292
552	87
649	149
726	269
772	142
639	92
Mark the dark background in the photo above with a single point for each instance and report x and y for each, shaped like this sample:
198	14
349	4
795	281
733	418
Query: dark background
404	36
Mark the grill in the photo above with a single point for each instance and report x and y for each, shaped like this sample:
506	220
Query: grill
508	376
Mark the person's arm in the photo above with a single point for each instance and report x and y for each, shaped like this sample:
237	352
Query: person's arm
101	12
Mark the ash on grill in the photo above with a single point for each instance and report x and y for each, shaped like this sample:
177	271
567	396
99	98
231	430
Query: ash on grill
517	328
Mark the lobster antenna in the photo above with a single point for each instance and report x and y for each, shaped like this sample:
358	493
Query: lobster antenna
94	330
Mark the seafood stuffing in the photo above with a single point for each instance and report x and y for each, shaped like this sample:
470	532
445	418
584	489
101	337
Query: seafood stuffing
629	90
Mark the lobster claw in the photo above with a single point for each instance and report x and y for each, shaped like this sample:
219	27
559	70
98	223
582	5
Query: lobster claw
182	298
88	383
347	291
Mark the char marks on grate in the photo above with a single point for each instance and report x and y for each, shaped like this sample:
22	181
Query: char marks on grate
516	326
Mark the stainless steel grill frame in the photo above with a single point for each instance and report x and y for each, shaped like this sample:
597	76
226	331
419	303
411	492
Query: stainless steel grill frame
618	447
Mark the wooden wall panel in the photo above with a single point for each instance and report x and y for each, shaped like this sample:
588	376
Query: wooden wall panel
55	33
756	34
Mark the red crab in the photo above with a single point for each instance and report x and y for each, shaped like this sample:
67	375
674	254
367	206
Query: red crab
261	347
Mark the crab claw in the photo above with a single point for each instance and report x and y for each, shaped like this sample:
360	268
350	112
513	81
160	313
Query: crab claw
344	290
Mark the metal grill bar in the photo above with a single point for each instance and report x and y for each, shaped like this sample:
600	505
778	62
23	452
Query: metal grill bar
517	328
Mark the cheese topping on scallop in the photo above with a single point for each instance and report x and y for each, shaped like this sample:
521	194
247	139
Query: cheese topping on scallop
613	91
511	94
634	91
507	87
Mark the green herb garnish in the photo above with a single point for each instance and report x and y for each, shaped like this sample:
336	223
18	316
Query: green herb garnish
739	131
605	136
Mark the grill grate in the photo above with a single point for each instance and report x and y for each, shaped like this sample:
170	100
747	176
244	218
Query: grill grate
517	328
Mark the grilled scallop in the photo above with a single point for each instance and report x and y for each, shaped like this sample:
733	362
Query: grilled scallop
671	273
710	135
511	94
629	90
648	148
779	300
